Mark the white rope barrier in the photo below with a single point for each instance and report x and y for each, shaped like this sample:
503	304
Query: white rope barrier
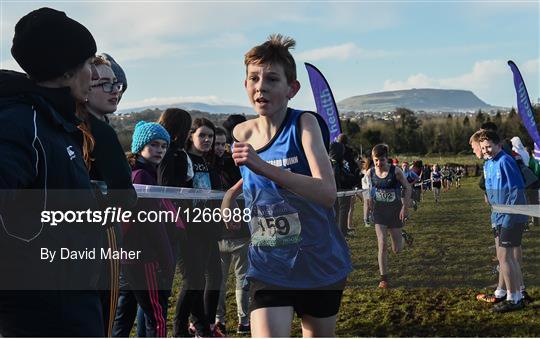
530	210
182	193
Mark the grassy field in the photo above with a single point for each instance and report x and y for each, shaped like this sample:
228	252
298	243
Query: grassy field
433	283
464	159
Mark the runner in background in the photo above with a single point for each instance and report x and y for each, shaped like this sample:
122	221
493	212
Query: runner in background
366	186
412	179
389	207
436	182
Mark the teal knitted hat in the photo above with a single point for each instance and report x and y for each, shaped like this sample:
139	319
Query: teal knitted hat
145	132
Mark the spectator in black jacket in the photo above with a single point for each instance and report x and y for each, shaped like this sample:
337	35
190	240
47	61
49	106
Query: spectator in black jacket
106	162
40	147
344	179
350	167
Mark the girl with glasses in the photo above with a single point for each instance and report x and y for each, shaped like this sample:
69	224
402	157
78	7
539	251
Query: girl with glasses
105	160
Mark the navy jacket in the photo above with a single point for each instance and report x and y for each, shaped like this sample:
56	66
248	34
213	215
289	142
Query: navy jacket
42	169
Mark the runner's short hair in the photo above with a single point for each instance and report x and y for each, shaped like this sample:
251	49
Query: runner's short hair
380	150
490	135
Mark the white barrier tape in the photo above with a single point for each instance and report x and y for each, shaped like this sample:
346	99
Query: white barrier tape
168	192
160	192
530	210
350	193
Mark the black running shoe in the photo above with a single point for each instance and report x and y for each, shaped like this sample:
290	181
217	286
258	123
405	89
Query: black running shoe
508	306
243	329
526	297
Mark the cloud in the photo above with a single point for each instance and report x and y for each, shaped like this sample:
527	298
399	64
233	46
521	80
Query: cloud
414	81
482	77
360	17
487	79
340	52
531	66
226	40
156	101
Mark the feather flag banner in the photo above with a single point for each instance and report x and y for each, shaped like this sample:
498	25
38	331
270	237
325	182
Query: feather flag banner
525	108
324	100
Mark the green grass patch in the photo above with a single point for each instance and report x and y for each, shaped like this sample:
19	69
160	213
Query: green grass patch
441	159
434	283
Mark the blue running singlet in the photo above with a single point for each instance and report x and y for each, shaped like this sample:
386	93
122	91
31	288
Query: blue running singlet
295	243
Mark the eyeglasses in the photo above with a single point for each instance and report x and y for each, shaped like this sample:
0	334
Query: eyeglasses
109	86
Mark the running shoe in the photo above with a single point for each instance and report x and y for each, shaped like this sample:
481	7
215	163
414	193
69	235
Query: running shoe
489	298
409	240
526	297
508	306
243	329
215	332
221	327
191	329
383	284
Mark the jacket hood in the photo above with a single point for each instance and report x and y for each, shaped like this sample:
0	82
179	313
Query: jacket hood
14	84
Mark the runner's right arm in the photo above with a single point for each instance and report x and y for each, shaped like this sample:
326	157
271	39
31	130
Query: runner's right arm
229	203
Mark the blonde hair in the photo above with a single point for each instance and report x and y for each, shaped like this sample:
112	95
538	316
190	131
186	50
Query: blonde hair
475	137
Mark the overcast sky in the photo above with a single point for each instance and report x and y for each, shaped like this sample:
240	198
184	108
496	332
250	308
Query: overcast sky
193	50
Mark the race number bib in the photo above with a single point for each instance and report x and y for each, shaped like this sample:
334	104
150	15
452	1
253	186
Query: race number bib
385	195
275	225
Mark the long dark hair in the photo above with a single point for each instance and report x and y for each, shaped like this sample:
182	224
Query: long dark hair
178	123
198	123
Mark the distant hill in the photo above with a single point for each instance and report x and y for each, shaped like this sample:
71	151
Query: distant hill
196	106
425	99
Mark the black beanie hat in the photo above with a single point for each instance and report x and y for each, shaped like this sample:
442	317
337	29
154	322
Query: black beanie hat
47	43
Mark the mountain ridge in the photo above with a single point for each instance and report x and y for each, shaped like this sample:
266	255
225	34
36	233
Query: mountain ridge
416	99
198	106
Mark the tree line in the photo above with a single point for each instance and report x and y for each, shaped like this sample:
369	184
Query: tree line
124	124
405	132
408	132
